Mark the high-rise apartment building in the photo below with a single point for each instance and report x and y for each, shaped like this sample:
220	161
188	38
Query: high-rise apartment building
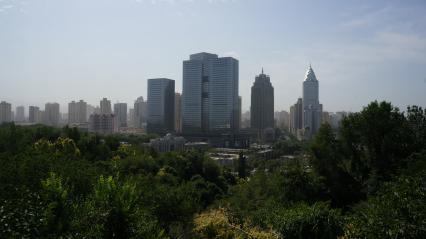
262	104
312	109
102	123
5	112
178	110
161	105
120	112
210	94
51	114
105	106
20	114
140	113
33	114
77	112
296	117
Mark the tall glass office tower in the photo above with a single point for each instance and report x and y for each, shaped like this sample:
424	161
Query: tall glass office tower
210	94
161	105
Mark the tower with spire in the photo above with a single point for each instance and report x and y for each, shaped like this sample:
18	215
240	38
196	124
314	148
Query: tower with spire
312	109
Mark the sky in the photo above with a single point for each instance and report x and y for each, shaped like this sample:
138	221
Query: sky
64	50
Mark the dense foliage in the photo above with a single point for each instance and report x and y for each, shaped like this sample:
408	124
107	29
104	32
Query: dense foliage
365	180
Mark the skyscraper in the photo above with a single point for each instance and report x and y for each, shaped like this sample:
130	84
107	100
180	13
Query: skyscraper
312	109
262	104
209	94
105	106
120	112
140	113
5	112
33	114
20	114
296	118
178	110
161	105
51	114
77	112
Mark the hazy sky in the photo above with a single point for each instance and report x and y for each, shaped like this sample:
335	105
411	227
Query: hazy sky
58	51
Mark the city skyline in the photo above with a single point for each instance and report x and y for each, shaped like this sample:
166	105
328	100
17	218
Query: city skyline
58	51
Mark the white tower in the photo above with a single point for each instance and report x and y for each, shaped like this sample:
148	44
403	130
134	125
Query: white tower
312	109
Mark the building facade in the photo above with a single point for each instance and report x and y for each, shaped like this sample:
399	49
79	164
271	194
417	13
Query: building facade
296	118
102	123
209	94
140	113
262	104
105	106
51	114
5	112
77	112
161	106
120	112
33	113
168	143
178	110
312	109
20	114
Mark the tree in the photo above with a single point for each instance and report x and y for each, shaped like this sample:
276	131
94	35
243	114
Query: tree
242	164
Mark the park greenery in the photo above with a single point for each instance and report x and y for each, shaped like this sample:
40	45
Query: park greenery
365	180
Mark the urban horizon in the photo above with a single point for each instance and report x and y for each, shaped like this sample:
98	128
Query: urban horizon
89	50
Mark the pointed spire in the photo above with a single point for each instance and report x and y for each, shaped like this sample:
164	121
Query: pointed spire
262	70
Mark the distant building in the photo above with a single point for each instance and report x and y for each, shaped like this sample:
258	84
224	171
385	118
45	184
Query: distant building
33	114
140	113
5	112
262	104
161	106
90	110
131	117
336	118
105	106
120	112
20	114
77	112
210	94
178	110
282	119
168	143
296	118
245	120
325	118
51	114
312	109
102	123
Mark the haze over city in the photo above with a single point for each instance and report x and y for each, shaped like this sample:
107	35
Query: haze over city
58	51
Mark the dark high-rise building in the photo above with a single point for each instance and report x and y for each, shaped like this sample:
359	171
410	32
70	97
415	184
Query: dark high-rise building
178	110
161	105
262	104
120	112
209	94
